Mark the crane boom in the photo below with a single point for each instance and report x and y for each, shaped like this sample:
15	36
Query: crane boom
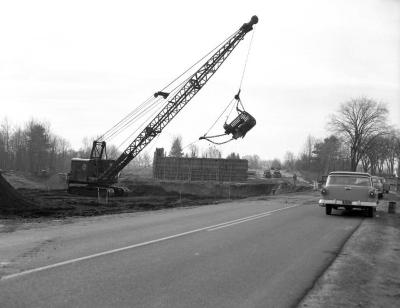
175	104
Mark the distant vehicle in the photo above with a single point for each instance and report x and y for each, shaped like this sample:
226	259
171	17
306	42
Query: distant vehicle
349	190
385	185
277	174
378	185
267	174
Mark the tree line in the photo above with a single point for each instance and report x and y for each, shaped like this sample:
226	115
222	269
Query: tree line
361	140
33	148
193	150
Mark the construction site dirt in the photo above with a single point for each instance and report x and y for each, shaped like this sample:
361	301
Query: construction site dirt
25	197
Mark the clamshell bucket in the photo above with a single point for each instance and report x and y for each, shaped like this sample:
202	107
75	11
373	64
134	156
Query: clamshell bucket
240	125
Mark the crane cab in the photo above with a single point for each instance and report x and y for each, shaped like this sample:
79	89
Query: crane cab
87	170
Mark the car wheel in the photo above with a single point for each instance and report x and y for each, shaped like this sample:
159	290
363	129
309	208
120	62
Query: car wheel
328	209
370	212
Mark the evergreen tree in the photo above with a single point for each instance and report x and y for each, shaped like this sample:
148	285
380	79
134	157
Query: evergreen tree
176	148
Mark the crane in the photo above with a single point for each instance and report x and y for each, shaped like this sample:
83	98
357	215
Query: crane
99	171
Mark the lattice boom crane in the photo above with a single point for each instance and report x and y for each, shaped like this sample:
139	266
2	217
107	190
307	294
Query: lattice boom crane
104	172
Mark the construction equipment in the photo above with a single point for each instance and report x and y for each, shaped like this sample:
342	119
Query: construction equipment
99	171
238	127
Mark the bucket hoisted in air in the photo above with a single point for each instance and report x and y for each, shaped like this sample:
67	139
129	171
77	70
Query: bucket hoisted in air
240	125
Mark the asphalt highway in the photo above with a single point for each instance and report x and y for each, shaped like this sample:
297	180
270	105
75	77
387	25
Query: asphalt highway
252	253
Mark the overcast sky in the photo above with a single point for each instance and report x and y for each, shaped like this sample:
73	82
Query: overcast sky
83	65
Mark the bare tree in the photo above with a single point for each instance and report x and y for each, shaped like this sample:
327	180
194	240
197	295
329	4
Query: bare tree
289	160
146	159
19	149
212	152
254	161
193	150
112	152
359	121
33	148
308	150
86	148
397	150
5	136
392	150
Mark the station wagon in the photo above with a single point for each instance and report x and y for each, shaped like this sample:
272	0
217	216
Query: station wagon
349	190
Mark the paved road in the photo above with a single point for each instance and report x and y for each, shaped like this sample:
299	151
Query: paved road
262	253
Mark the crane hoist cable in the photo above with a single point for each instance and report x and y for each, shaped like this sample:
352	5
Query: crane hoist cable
140	127
150	102
173	105
113	128
199	61
243	122
155	104
247	59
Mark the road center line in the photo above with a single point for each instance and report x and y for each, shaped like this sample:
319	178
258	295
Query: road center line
108	252
238	222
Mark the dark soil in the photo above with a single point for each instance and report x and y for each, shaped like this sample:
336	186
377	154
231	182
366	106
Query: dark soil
142	196
59	204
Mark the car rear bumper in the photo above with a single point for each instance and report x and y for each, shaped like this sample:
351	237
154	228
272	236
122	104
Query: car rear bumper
323	202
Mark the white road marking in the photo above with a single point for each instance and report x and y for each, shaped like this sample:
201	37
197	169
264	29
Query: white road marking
238	222
108	252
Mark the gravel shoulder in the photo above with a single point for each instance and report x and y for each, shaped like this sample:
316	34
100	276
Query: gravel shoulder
366	272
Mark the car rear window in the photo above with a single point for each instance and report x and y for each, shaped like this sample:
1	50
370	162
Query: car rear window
348	180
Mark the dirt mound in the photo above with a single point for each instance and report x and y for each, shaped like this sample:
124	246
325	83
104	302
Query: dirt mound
10	199
20	179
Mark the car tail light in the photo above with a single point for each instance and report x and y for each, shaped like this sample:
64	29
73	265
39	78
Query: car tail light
324	191
372	194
